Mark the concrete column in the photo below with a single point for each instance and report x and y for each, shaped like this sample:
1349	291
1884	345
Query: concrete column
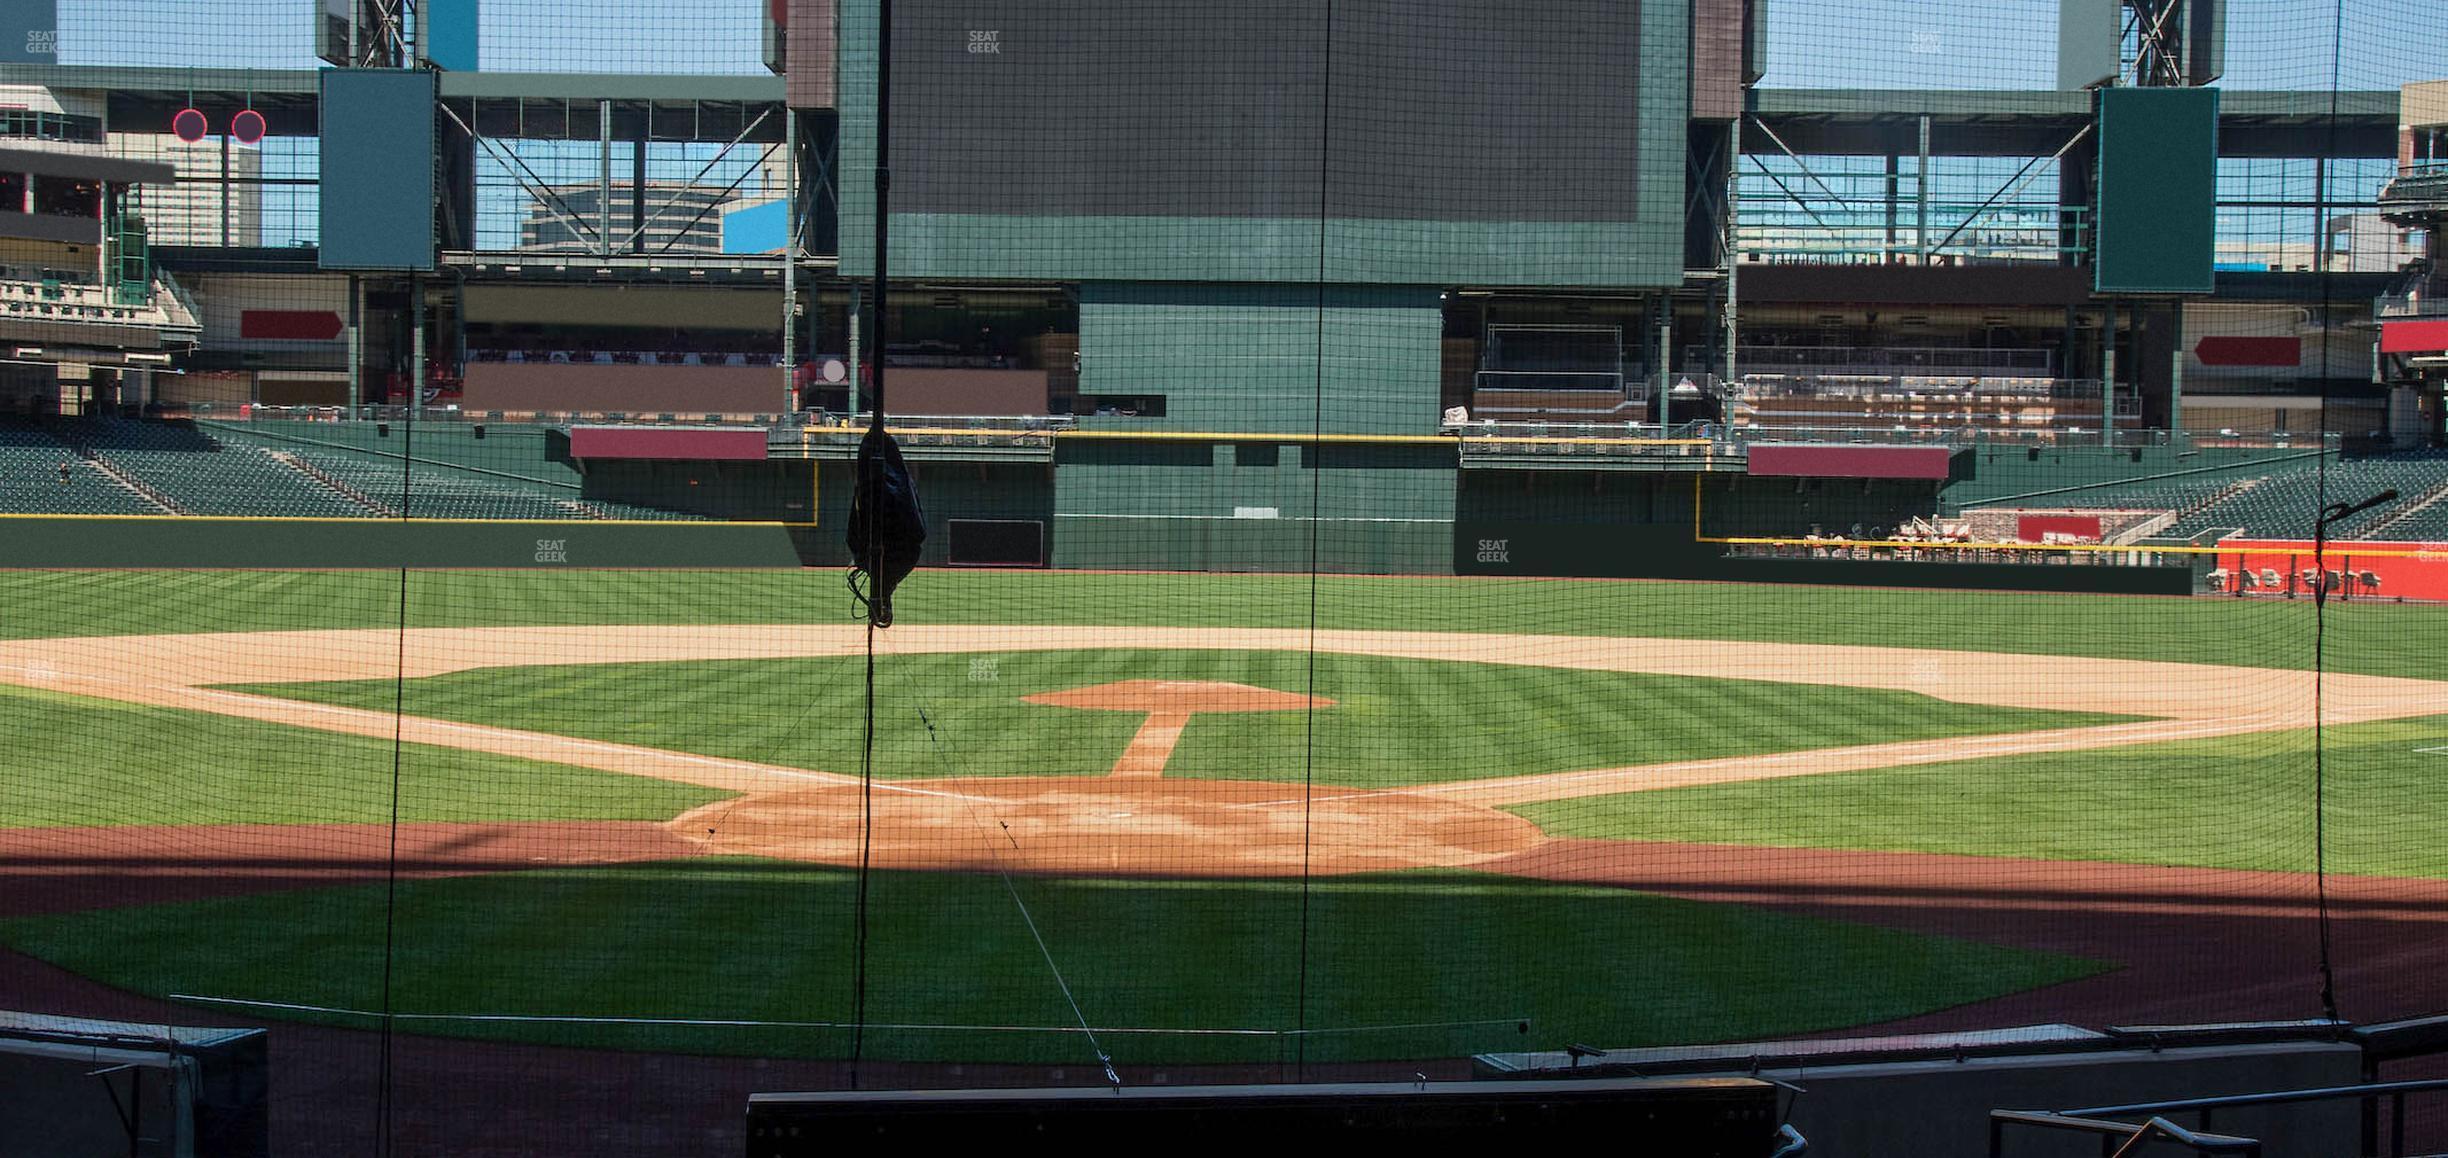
2175	410
416	345
603	177
855	293
1665	362
790	255
637	181
1921	187
356	343
2108	333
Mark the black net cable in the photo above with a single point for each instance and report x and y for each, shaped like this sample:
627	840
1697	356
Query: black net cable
877	329
959	769
386	1075
2320	549
1317	481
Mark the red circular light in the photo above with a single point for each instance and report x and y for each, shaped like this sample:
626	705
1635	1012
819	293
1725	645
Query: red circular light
247	126
189	125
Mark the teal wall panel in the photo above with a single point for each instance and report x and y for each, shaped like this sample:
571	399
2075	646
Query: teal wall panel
375	198
1236	358
2158	190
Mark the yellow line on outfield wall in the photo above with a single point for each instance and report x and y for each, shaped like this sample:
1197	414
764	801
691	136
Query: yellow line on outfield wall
2337	548
1230	436
372	520
1414	439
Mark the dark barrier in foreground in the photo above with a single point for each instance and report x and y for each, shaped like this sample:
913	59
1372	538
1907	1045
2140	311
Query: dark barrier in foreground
77	1086
1698	1117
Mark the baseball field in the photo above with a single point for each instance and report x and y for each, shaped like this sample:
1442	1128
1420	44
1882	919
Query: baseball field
1183	819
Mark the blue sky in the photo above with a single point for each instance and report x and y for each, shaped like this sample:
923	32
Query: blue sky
1994	44
1812	43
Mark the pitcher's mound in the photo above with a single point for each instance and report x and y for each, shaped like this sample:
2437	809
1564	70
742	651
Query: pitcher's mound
1179	697
1188	828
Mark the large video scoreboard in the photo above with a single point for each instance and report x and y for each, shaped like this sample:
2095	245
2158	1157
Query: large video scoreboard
1421	141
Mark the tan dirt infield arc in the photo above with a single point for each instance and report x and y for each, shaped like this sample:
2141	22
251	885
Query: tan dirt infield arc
1142	825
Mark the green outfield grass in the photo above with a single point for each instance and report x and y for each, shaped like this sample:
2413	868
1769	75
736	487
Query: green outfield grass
2241	802
767	941
1394	721
2374	638
75	760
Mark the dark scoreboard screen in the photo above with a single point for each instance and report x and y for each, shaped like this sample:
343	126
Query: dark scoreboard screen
1431	110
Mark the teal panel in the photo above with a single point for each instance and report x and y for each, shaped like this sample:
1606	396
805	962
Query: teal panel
450	33
375	204
29	32
2158	179
1272	359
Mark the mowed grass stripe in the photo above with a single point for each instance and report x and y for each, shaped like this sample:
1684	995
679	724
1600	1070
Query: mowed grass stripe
767	941
1394	721
75	760
2365	637
2238	802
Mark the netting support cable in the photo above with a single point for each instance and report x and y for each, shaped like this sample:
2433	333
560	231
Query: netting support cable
1317	482
875	345
2326	513
957	770
384	1075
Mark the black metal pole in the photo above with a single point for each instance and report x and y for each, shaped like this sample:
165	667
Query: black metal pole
883	209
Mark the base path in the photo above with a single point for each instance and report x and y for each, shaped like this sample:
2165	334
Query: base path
1113	826
1170	825
2183	944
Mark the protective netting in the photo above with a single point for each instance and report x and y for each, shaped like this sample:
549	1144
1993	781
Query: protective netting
1454	529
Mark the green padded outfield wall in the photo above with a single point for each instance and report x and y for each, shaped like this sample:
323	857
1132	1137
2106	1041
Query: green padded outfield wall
1431	142
2158	190
1248	506
172	541
1236	358
947	490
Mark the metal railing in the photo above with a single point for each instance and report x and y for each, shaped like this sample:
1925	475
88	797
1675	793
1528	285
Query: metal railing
1491	430
623	356
1819	230
1007	423
2415	298
1975	436
1929	386
2135	1135
1881	359
1595	382
2097	1119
